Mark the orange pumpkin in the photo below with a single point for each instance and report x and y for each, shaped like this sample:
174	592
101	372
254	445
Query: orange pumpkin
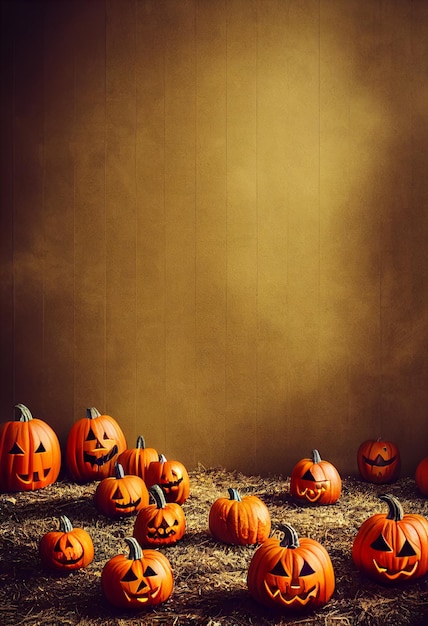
392	547
93	445
239	521
291	574
136	460
137	581
315	481
421	476
66	549
121	495
171	476
161	523
378	461
30	454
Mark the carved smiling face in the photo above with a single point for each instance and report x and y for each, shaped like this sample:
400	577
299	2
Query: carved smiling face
161	523
315	481
378	461
67	549
121	495
172	476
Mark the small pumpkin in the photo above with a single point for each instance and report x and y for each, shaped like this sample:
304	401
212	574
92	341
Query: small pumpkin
93	444
121	495
139	580
421	476
315	480
136	460
239	521
392	547
171	476
291	574
378	461
30	453
66	549
161	523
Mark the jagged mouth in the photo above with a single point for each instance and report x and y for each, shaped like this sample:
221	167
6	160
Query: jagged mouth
69	561
379	461
287	598
407	571
35	477
128	505
171	485
98	461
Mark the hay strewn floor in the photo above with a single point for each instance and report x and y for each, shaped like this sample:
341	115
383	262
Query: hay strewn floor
210	578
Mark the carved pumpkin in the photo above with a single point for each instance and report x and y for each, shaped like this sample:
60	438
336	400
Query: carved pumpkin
121	495
421	476
239	521
136	460
67	548
161	523
378	461
30	454
289	574
140	580
315	481
171	476
93	445
392	547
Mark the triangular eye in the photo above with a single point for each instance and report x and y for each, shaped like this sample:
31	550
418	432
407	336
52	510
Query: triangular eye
41	448
380	544
105	436
406	550
279	570
15	449
129	576
58	547
149	571
117	495
91	435
306	569
308	475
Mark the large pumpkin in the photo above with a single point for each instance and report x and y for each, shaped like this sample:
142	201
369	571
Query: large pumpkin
30	454
121	495
136	460
239	521
66	549
392	547
161	523
171	476
139	580
421	476
315	481
93	445
291	574
378	461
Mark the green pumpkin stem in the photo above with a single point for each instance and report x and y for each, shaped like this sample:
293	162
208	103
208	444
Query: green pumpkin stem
234	494
118	470
92	413
65	525
141	444
287	536
158	495
25	413
135	551
316	457
395	512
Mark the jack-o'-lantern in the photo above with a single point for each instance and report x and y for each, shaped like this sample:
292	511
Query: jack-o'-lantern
30	454
239	521
378	461
66	549
93	445
315	481
137	581
291	574
171	476
161	523
136	460
421	476
121	495
392	547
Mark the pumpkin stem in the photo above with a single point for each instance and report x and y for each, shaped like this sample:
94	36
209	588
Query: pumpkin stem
25	413
141	444
65	525
316	457
118	470
158	495
395	512
234	494
287	536
92	413
135	551
162	458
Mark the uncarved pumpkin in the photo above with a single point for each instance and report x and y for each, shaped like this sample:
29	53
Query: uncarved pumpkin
421	476
239	521
136	460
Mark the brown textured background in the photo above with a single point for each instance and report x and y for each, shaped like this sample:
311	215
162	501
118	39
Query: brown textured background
214	224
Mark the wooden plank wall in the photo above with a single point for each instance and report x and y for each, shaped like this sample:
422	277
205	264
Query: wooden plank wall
214	224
